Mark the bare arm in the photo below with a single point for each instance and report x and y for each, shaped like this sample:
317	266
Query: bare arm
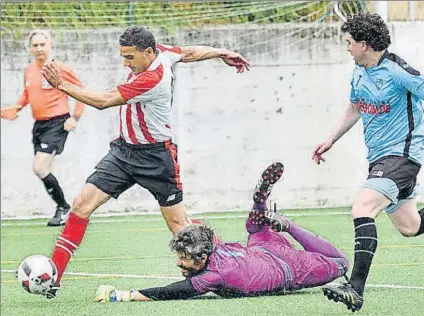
346	122
99	100
199	53
69	76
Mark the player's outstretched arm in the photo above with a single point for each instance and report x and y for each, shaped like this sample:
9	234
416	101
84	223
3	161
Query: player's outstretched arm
53	75
199	53
10	112
176	291
346	121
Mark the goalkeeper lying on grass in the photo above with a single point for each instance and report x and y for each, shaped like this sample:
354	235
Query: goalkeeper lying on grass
269	263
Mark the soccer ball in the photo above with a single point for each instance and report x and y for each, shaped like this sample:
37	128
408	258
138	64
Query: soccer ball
37	274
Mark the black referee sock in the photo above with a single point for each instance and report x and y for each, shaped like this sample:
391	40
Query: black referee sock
365	247
421	229
54	190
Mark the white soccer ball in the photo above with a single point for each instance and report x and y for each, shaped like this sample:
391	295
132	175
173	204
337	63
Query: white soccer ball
37	274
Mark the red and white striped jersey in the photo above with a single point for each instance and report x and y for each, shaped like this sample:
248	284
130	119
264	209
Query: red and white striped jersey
146	116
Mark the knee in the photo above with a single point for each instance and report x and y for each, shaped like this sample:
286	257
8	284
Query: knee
363	208
407	232
175	224
175	217
80	207
40	170
369	203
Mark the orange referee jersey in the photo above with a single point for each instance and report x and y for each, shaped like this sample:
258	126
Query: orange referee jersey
46	101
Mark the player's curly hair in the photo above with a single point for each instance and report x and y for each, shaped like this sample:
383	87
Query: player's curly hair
193	242
369	28
138	36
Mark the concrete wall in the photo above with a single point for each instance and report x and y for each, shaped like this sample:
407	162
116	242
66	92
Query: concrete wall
399	10
228	126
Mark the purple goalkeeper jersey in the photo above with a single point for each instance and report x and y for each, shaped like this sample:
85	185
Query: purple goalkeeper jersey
235	270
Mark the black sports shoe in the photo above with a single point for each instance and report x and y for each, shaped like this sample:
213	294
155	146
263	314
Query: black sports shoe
257	217
262	191
346	294
60	216
50	294
276	221
270	175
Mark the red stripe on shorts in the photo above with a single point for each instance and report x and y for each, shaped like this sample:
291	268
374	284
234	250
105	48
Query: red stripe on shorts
173	149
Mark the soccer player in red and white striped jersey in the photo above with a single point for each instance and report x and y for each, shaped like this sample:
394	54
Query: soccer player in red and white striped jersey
143	153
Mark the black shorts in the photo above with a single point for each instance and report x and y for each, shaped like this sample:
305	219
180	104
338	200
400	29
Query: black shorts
394	176
153	166
49	136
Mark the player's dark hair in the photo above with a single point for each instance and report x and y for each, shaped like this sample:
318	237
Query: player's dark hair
193	242
369	28
139	37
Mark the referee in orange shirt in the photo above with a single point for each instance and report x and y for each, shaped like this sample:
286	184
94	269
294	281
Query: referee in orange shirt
53	122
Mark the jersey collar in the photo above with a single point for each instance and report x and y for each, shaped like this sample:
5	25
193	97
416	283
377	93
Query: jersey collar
384	56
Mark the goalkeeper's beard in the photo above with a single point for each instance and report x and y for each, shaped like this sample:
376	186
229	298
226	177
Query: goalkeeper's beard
188	272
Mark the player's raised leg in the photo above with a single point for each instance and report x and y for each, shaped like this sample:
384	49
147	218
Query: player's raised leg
71	237
109	180
262	191
406	218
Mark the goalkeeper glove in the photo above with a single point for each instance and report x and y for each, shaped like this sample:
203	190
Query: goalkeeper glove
109	293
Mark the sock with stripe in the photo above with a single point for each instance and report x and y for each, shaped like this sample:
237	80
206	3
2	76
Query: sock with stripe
68	242
421	229
365	247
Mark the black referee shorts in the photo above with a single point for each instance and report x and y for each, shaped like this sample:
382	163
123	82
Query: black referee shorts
152	166
49	136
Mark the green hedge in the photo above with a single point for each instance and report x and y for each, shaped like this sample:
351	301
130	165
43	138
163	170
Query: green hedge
165	14
18	17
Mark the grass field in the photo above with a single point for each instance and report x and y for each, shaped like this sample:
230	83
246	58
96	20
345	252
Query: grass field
131	253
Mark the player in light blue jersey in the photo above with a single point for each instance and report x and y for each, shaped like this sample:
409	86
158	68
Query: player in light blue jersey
388	95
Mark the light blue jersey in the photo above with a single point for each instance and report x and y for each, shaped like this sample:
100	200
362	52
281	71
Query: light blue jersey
390	97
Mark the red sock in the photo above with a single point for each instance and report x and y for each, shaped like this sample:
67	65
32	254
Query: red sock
68	242
199	222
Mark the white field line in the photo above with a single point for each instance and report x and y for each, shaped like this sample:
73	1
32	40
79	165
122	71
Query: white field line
140	276
159	218
114	275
